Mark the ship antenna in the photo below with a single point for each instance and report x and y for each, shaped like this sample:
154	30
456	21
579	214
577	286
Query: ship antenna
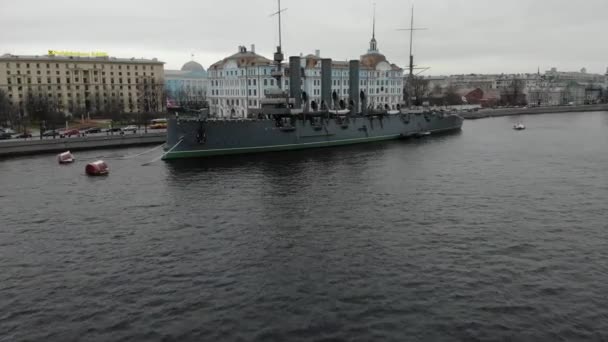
411	64
278	56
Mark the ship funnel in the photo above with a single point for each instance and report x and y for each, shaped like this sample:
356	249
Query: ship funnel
326	83
295	81
353	85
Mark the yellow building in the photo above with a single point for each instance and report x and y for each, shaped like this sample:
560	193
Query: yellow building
75	84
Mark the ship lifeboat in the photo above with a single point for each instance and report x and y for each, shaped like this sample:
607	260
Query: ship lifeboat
65	158
97	168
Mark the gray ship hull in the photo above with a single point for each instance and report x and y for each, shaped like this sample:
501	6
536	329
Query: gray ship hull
189	138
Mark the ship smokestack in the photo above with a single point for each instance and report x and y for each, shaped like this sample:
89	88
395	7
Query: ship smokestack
326	83
295	80
353	85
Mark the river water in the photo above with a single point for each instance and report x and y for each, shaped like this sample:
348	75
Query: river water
487	234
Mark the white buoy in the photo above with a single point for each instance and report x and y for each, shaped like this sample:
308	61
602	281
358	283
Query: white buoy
65	158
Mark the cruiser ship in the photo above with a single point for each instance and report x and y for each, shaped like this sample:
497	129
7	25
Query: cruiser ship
287	120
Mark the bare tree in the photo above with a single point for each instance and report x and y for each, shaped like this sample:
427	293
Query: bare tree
420	89
6	110
113	108
451	96
151	99
41	107
514	95
437	90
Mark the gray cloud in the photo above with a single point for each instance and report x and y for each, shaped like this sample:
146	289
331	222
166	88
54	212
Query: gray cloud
464	36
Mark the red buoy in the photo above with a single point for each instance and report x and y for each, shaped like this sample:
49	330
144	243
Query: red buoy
97	168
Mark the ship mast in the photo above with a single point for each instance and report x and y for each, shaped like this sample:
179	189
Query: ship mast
278	55
410	80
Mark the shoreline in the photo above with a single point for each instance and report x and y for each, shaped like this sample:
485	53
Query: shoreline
31	147
490	113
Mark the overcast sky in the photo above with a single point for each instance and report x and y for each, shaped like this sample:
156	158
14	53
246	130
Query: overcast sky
463	36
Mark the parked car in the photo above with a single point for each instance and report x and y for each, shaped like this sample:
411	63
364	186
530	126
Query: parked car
4	135
114	130
69	133
50	133
23	135
7	130
130	128
93	130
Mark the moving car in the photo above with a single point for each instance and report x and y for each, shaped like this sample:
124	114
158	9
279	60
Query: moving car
69	133
130	128
50	133
158	124
23	135
93	130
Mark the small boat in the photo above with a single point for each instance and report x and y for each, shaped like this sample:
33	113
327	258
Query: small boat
97	168
65	158
519	126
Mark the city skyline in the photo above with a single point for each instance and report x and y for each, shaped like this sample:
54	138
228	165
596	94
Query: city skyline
462	37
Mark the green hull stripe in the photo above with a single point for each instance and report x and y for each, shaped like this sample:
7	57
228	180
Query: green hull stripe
243	150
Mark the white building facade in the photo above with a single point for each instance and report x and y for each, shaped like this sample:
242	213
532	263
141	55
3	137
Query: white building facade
238	82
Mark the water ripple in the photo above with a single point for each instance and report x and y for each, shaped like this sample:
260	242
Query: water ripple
475	236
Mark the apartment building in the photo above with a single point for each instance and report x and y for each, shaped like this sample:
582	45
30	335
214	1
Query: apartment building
80	85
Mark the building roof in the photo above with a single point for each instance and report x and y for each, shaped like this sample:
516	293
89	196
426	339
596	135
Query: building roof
193	66
243	58
54	58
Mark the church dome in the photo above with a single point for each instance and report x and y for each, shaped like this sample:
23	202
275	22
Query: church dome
371	60
193	66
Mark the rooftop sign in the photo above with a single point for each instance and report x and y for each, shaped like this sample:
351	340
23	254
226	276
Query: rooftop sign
77	54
